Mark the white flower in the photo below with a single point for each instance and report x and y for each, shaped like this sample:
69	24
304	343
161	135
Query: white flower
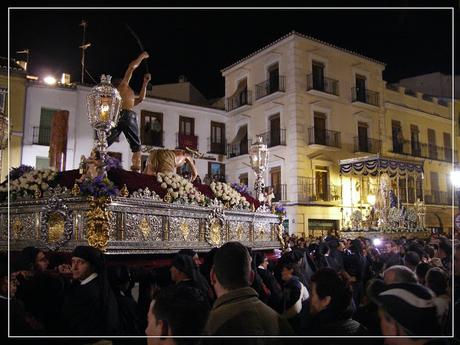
159	179
44	186
175	195
164	185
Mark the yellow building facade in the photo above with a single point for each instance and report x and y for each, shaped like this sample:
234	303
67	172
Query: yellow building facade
316	104
15	92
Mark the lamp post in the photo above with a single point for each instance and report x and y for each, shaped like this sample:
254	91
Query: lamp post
258	157
103	105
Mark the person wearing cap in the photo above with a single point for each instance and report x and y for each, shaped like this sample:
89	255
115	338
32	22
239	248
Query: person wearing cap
89	307
185	273
405	310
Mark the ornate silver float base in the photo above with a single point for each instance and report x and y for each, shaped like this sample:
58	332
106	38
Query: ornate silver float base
136	226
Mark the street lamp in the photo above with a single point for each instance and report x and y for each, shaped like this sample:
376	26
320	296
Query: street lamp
103	105
258	157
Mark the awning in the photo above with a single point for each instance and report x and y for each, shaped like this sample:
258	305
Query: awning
242	132
375	164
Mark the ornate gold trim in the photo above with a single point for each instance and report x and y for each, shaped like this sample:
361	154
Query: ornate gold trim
98	225
145	228
124	192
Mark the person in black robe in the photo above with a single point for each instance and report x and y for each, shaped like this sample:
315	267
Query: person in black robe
89	307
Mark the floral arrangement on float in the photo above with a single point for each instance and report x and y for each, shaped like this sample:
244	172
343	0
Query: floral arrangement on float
25	181
279	210
230	197
179	189
98	187
239	187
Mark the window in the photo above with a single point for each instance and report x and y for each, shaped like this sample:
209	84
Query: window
322	183
361	88
217	137
216	171
242	92
434	181
151	128
398	140
318	75
447	147
363	139
186	125
273	78
275	131
42	163
42	134
244	179
320	128
414	141
275	178
432	148
3	100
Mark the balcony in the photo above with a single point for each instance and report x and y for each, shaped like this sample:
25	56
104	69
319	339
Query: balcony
238	149
238	100
311	191
365	96
186	140
436	197
153	138
216	147
270	86
422	150
280	192
41	136
327	85
369	145
323	137
274	137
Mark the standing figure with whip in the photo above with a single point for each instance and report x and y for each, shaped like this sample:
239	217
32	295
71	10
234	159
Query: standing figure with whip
127	122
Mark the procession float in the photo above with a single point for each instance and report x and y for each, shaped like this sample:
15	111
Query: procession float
125	212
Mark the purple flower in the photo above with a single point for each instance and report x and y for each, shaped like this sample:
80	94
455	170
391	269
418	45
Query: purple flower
112	163
99	186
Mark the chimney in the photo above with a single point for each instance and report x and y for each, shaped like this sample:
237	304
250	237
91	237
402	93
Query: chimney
182	78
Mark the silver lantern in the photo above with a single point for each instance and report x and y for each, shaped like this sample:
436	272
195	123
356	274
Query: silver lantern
103	103
258	157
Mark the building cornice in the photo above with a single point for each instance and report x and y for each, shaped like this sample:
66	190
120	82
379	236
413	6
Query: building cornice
289	36
417	112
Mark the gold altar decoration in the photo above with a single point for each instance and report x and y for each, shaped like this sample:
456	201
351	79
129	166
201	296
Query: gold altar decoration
144	227
214	232
17	227
98	222
239	232
75	190
56	224
185	230
124	191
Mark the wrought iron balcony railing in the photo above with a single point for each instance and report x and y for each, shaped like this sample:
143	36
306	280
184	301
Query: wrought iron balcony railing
365	96
41	136
279	191
270	86
153	138
323	137
238	149
238	100
369	145
436	197
327	85
185	140
274	137
423	150
310	191
217	147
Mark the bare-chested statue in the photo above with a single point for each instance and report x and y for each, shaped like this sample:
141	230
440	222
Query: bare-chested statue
165	161
127	122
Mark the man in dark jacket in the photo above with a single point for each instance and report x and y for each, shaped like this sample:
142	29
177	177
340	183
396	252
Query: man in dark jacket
90	307
237	310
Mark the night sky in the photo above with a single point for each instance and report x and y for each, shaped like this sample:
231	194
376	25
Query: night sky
199	43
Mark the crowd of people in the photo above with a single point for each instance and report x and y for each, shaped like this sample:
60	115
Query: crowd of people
331	287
